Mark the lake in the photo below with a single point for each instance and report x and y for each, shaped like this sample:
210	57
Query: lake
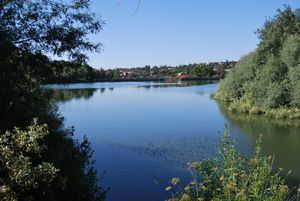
144	133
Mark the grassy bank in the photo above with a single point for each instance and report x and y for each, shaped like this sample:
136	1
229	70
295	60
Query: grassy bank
244	107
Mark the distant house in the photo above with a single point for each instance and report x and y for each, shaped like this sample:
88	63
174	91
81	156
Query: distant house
125	74
182	75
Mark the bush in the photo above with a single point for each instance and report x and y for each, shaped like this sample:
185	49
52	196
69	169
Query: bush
21	176
232	177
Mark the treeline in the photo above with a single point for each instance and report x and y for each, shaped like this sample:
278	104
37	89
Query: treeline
267	81
70	72
199	70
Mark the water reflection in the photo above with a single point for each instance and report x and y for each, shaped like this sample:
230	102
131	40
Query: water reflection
175	84
281	138
65	95
98	85
102	90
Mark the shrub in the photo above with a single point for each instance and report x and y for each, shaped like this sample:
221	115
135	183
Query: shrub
232	177
21	176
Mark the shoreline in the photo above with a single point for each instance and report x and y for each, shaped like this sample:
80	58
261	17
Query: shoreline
283	113
139	80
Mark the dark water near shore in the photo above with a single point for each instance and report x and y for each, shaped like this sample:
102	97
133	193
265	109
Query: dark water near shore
143	133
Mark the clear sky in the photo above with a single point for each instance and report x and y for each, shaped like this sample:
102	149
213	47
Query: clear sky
176	32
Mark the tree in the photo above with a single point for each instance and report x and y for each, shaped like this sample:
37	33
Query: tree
202	71
155	70
267	80
220	70
146	70
49	26
68	72
99	74
28	30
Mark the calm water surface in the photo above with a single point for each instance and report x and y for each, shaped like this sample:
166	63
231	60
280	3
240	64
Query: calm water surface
144	133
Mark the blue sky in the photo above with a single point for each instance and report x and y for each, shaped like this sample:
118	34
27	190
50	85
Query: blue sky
176	32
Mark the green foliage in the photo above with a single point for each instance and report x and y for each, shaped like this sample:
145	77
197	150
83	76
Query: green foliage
232	177
50	26
99	74
68	72
77	179
294	77
276	31
220	70
290	53
202	71
232	87
23	174
268	78
28	30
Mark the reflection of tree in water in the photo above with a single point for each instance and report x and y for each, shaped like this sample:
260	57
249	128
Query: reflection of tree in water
176	84
181	84
102	90
281	137
64	95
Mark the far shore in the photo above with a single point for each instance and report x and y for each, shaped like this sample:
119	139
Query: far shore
144	80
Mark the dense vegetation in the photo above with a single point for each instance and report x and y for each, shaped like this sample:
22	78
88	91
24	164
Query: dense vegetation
69	72
268	80
233	177
40	160
21	175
